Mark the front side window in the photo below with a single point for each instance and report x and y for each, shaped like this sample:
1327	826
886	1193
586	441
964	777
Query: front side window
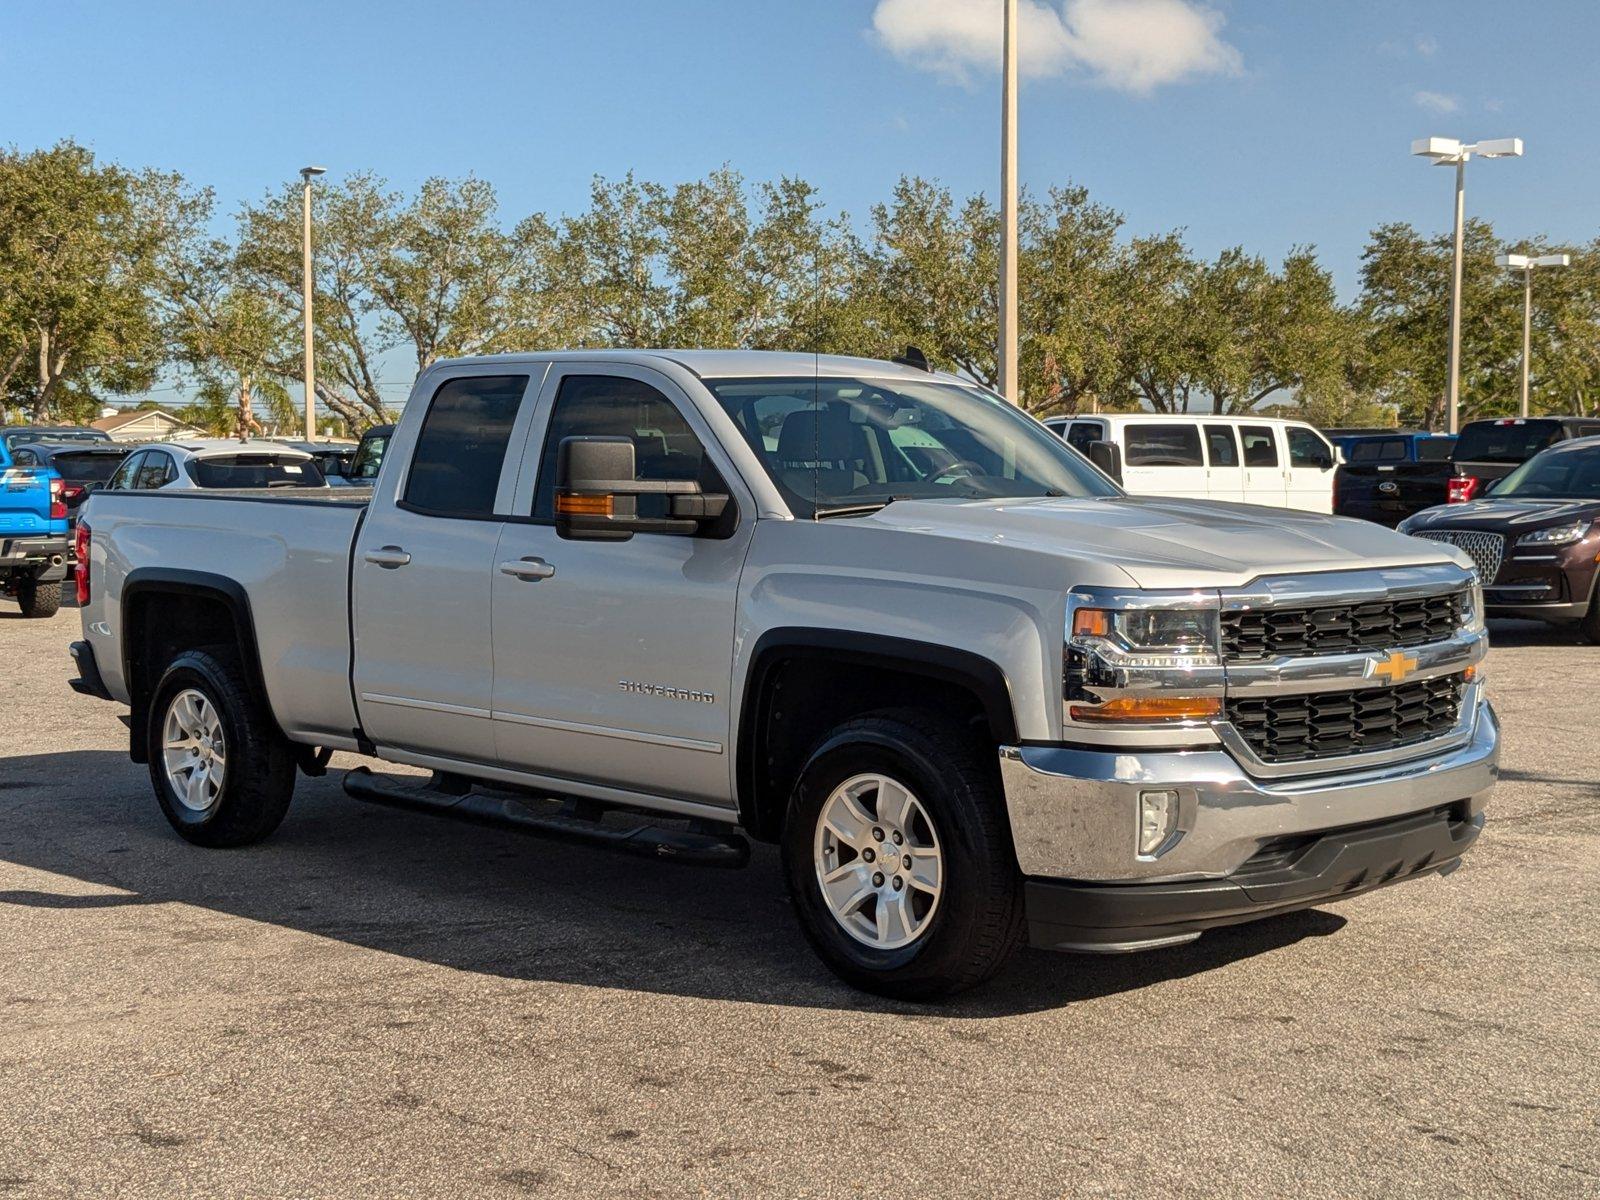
1306	449
664	447
455	469
369	456
1224	451
153	471
1084	434
1260	448
1163	446
844	443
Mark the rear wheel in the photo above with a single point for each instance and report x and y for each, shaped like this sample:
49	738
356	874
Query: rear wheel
899	858
222	772
39	599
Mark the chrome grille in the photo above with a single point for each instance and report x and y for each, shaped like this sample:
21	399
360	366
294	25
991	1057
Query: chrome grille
1485	549
1330	724
1257	633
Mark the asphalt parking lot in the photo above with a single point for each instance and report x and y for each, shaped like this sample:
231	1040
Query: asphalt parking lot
378	1003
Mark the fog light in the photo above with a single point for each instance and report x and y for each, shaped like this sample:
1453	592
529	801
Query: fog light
1158	817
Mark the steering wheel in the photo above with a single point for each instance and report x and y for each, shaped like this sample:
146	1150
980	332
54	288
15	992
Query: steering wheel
963	468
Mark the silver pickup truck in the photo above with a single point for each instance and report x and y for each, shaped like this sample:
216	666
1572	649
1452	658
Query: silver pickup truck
671	601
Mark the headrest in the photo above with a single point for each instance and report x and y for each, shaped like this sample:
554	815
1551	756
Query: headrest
823	434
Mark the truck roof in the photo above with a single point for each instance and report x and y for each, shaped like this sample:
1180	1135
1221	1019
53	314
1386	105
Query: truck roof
724	364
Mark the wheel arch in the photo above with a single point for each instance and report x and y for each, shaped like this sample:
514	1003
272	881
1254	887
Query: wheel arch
770	746
200	609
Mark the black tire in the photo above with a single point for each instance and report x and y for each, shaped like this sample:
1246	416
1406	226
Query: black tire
978	921
39	599
259	775
1589	627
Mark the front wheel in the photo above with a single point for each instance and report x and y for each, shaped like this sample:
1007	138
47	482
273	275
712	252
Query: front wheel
39	599
899	858
222	771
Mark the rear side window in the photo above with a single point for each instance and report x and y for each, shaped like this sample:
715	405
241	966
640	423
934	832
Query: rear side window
155	471
1084	434
455	469
1260	448
1163	446
1224	451
1306	449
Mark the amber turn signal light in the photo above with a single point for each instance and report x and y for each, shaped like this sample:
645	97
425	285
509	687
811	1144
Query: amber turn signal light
1091	622
1150	708
573	505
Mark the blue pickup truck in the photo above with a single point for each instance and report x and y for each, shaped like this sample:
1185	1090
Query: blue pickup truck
33	536
1385	477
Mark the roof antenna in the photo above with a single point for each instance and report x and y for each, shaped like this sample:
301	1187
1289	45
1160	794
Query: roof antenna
914	357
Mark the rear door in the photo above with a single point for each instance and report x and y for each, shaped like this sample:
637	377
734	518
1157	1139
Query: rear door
424	661
1164	458
1224	469
1309	479
1264	481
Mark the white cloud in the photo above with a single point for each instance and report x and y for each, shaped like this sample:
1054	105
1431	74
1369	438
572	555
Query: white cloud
1436	102
1427	46
1131	45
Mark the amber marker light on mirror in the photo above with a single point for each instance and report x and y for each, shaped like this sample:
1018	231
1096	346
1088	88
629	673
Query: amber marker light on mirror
572	505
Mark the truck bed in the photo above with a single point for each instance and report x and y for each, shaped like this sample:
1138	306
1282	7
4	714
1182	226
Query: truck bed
288	549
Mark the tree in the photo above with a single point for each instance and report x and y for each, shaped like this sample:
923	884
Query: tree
78	243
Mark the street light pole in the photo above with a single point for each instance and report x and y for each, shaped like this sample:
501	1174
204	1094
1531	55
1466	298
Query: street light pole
1455	294
1452	152
307	174
1527	265
1008	208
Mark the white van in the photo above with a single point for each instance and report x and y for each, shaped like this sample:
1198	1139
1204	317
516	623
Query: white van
1253	460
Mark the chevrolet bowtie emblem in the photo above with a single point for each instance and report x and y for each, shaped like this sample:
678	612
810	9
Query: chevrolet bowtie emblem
1394	668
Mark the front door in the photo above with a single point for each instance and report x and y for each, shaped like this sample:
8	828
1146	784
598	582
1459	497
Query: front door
613	659
1311	463
424	663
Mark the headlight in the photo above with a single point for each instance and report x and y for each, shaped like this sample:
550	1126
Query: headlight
1143	666
1556	535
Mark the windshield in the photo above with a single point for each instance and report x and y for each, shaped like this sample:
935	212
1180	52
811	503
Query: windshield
1512	441
255	471
1557	474
831	443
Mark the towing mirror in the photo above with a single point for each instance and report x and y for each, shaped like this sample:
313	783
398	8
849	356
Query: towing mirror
598	489
1108	457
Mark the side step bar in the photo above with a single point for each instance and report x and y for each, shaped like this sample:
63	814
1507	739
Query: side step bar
459	799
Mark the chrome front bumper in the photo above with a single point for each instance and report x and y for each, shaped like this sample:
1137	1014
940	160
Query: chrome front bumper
1074	812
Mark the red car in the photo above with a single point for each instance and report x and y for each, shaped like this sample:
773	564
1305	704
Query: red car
1535	537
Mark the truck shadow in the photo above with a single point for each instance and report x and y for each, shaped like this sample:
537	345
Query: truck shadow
475	900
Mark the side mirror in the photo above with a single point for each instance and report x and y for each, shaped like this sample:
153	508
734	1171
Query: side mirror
598	490
1324	462
1108	457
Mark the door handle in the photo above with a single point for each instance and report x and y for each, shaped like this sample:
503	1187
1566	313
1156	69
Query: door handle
388	557
527	568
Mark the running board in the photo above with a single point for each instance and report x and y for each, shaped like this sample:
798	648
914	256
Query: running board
459	799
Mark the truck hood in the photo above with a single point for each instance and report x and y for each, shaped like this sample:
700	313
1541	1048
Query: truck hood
1162	543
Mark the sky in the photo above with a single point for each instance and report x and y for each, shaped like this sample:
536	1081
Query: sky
1266	123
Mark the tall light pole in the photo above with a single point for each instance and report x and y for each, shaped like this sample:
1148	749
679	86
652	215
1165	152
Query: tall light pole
1008	208
307	174
1446	152
1528	265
